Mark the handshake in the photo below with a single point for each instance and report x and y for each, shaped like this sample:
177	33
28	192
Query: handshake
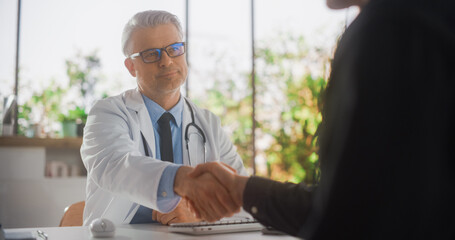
213	190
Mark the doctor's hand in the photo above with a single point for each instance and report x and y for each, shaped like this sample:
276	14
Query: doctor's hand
180	214
225	174
207	195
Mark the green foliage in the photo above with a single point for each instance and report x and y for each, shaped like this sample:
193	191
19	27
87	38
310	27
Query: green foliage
289	80
292	155
235	115
49	106
80	71
43	107
75	115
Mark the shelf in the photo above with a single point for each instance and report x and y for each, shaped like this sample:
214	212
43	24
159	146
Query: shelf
62	143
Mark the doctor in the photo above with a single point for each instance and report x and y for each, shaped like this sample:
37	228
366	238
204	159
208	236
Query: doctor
141	144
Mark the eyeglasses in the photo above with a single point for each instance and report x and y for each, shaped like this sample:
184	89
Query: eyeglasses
154	54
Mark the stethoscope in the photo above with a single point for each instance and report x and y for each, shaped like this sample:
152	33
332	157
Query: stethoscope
187	135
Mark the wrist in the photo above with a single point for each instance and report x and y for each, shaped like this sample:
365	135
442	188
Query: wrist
180	179
240	183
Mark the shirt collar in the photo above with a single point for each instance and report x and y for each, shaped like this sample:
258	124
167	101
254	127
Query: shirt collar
155	110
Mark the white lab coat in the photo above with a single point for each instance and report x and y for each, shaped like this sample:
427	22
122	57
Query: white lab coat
119	175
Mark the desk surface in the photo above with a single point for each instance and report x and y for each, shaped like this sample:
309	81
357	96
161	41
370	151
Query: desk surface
140	232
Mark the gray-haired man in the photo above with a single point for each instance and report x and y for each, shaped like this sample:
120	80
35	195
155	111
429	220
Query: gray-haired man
141	144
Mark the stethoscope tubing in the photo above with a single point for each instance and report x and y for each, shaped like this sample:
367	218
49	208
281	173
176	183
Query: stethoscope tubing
187	139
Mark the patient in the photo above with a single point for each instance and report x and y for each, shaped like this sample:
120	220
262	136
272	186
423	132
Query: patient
387	138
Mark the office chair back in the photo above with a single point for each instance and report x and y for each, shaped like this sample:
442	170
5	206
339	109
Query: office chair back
73	215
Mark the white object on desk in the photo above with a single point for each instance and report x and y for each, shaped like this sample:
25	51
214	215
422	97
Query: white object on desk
102	227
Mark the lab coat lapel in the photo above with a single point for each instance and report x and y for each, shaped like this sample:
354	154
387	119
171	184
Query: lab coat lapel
146	127
135	102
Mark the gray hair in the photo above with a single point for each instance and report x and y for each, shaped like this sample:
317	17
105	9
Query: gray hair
147	19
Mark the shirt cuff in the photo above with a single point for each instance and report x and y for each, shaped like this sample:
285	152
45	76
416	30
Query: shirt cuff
167	199
254	196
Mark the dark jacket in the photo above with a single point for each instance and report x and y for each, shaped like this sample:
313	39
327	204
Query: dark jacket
387	147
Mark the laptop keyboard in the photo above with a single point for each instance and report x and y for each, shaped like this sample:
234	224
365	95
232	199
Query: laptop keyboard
224	226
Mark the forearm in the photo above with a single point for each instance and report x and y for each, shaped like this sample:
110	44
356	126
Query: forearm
121	169
283	206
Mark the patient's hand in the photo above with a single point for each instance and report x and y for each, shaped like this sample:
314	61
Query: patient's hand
181	213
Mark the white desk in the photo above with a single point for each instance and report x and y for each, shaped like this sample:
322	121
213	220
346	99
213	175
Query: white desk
142	232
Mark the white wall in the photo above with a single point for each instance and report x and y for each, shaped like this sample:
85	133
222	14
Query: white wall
27	197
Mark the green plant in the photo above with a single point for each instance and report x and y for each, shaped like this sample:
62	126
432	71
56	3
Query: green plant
83	74
290	77
75	115
42	108
45	108
235	115
294	147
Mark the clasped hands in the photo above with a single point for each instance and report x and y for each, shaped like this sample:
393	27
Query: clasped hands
211	191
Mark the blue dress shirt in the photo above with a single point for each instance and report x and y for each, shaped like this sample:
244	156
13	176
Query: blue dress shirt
167	199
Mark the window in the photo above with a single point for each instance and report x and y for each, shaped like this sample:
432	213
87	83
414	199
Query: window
294	39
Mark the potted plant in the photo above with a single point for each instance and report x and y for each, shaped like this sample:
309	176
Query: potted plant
73	122
38	114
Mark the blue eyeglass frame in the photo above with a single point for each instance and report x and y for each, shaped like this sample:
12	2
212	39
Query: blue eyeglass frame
160	50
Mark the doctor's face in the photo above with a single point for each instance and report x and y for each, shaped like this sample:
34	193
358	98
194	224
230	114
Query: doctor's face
165	75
